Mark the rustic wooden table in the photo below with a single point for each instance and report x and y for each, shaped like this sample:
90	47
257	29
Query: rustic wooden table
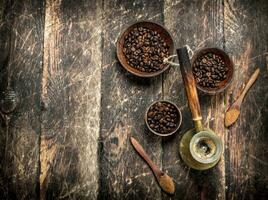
69	136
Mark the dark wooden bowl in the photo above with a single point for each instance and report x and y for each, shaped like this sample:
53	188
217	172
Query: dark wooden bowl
150	25
223	84
178	124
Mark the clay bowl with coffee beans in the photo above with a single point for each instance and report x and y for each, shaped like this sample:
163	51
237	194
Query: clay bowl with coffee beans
142	47
163	118
213	70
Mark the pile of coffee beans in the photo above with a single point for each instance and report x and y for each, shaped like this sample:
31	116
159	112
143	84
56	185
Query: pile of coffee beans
145	50
209	70
163	117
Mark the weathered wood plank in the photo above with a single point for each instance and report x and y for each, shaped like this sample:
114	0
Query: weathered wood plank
124	175
21	30
73	79
71	100
196	24
246	35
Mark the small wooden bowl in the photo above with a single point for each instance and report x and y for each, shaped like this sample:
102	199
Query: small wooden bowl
160	134
165	35
223	84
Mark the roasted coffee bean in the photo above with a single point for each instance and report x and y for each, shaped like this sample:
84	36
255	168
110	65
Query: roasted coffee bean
209	70
160	119
145	50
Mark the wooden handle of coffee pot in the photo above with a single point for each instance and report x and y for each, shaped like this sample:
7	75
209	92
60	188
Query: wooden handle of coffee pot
190	87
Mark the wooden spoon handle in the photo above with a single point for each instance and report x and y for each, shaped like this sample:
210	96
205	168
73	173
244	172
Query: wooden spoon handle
145	156
250	82
189	83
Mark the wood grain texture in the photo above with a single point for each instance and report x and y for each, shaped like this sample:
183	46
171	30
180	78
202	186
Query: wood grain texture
246	35
69	136
195	24
71	100
21	29
124	175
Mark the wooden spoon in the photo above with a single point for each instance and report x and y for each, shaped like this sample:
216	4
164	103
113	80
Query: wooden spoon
165	181
233	112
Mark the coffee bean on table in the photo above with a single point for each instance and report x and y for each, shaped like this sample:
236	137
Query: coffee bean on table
163	117
210	70
145	50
